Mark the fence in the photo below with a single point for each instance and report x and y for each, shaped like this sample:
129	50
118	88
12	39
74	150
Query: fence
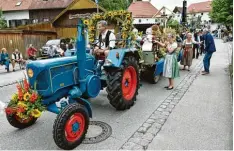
20	39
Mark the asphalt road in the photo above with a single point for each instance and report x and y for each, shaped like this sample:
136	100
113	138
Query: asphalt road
124	123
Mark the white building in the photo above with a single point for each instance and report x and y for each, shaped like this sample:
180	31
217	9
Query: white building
143	13
202	10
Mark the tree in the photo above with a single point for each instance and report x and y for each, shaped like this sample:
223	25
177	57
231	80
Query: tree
222	12
2	21
115	4
173	24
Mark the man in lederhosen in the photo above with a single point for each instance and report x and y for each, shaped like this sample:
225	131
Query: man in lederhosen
106	40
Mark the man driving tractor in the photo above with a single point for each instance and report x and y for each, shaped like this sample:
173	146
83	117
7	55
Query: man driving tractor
106	40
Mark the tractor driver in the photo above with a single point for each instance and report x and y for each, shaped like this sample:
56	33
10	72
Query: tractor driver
106	40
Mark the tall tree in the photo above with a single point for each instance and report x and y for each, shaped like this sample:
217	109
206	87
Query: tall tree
222	12
2	21
115	4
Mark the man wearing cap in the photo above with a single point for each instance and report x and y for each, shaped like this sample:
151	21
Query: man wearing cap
209	49
106	40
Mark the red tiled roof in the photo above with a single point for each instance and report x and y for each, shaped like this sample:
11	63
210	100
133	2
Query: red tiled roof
141	9
200	7
10	5
40	4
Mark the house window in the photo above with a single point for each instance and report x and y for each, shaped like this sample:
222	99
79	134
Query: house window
156	20
46	20
139	20
201	13
18	4
194	14
35	21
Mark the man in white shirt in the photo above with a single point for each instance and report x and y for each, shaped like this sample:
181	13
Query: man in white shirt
106	40
17	57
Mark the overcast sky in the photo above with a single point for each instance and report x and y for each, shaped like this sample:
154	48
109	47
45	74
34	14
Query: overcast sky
170	4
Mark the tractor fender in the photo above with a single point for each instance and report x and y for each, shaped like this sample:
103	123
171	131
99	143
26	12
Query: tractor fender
116	56
83	102
159	67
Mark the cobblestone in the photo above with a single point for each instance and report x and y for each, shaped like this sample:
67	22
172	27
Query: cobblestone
150	121
142	130
160	121
160	109
128	146
138	135
148	136
163	106
144	142
166	113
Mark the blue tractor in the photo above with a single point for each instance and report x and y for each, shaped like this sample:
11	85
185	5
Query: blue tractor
79	77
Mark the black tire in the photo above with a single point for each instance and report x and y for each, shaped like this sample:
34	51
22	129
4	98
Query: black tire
12	119
59	134
114	84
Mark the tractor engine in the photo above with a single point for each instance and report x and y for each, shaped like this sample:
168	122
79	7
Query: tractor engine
55	78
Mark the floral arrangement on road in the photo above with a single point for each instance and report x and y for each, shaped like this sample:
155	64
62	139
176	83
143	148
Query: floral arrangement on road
26	103
121	16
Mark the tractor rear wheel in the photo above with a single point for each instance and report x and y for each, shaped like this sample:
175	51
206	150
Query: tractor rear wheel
70	126
123	84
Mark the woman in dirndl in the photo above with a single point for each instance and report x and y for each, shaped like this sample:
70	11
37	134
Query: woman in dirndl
171	67
187	57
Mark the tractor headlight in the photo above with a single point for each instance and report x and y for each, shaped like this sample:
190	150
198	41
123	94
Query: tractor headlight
30	73
108	62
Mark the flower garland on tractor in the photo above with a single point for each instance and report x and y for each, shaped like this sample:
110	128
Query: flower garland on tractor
111	16
26	103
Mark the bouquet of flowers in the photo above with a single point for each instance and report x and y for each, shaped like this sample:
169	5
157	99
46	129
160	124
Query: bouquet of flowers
26	103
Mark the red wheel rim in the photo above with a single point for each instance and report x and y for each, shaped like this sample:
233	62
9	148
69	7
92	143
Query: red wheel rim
74	127
129	83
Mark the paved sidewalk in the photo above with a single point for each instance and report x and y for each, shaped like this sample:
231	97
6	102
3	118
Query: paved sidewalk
203	117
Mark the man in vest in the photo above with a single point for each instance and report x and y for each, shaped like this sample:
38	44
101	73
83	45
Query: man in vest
17	57
106	40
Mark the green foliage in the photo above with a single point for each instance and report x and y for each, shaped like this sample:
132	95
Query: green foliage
110	5
174	24
222	11
2	21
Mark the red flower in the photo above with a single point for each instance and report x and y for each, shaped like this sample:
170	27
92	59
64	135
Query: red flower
26	85
33	98
9	111
20	96
20	110
19	88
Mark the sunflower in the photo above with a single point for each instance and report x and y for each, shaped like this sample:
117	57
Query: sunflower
86	22
23	105
36	113
110	14
115	13
27	96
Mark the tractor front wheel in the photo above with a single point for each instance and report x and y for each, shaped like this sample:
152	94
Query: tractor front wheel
123	84
71	126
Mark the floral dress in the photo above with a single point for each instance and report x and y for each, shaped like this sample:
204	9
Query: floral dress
171	67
